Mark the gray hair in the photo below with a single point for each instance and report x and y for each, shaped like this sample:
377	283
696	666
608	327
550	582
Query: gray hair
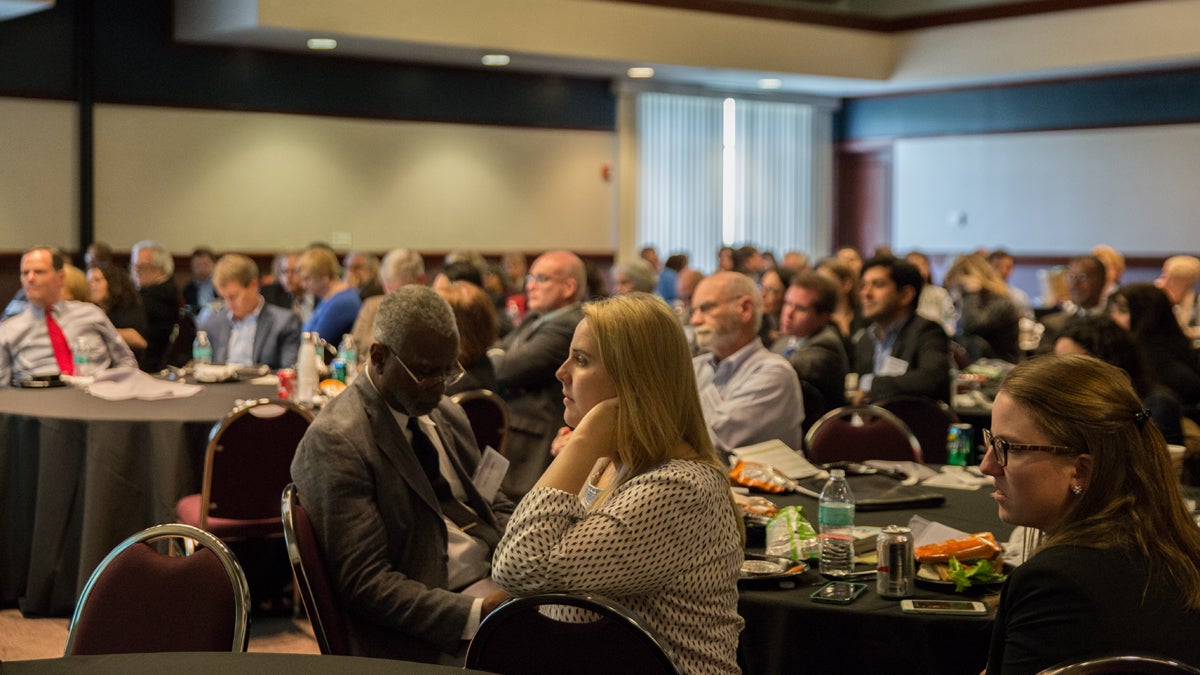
640	273
160	256
402	265
413	308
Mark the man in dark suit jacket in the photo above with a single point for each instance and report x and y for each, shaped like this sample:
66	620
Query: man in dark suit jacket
154	273
811	344
265	334
1086	276
900	352
372	489
201	292
532	354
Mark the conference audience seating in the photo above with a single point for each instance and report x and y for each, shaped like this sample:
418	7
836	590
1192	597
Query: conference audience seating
856	433
518	639
488	414
246	465
929	421
139	600
312	577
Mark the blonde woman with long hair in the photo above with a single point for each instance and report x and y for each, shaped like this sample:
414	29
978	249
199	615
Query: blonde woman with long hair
989	324
636	505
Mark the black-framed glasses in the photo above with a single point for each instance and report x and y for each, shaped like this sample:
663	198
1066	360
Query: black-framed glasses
446	379
1000	448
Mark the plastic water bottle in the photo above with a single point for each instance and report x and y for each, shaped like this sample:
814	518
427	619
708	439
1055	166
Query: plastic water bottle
201	349
82	353
835	516
348	352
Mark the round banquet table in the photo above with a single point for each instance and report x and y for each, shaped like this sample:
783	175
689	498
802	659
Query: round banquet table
227	663
79	474
787	632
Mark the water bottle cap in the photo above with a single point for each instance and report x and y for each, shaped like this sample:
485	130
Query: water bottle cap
837	473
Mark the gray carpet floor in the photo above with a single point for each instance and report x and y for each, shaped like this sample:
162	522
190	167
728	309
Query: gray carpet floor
22	638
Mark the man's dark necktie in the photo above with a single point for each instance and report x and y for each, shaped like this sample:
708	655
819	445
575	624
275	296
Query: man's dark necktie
466	519
62	351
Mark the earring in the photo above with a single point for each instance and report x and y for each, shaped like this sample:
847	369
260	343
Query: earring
1076	490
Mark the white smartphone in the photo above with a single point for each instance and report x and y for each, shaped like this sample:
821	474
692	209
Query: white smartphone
966	607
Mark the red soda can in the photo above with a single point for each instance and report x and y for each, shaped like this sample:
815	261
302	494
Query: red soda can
287	384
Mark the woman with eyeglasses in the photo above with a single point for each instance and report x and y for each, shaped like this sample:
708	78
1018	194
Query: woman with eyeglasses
636	506
1073	455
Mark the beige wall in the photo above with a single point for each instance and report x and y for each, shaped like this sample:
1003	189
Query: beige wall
256	181
38	152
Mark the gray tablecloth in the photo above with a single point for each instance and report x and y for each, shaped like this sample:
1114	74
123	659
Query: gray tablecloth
79	474
227	663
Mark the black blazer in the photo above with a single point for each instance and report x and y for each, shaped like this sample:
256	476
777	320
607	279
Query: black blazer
924	346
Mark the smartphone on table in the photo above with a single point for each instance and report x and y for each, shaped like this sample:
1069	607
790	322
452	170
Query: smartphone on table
960	607
839	592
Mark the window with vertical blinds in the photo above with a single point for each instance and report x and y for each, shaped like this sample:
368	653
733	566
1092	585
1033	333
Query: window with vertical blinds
717	171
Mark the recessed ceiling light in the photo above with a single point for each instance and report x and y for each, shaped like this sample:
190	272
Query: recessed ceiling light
495	59
322	43
770	83
640	72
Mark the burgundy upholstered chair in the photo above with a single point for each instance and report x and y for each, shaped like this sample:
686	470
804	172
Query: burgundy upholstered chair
518	639
247	464
856	433
139	600
488	414
929	421
312	577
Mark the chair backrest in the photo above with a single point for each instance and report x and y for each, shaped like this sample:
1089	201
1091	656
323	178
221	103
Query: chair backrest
518	639
857	433
249	459
312	577
488	414
814	404
139	600
929	421
179	345
1124	665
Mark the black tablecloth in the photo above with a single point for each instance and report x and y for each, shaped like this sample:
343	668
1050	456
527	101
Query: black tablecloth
226	663
787	632
79	474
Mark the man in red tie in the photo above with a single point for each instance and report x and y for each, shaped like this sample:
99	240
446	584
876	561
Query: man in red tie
42	340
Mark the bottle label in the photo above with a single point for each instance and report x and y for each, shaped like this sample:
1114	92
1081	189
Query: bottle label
836	515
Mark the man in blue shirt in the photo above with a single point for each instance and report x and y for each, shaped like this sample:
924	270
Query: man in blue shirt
248	330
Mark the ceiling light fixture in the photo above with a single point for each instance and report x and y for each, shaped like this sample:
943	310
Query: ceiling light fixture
322	43
640	72
495	59
770	83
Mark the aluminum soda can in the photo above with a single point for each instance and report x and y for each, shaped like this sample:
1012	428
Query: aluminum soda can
287	384
896	571
960	444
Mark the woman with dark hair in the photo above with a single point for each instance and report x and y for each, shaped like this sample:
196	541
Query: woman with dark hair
112	289
847	314
1101	337
478	330
1116	573
1145	311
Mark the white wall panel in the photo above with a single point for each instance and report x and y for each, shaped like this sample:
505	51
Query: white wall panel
255	181
1137	189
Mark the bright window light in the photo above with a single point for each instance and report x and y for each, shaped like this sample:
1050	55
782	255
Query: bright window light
495	59
322	43
770	83
640	72
729	172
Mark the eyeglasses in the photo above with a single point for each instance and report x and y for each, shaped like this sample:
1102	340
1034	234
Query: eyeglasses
538	278
1000	448
1077	276
446	379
